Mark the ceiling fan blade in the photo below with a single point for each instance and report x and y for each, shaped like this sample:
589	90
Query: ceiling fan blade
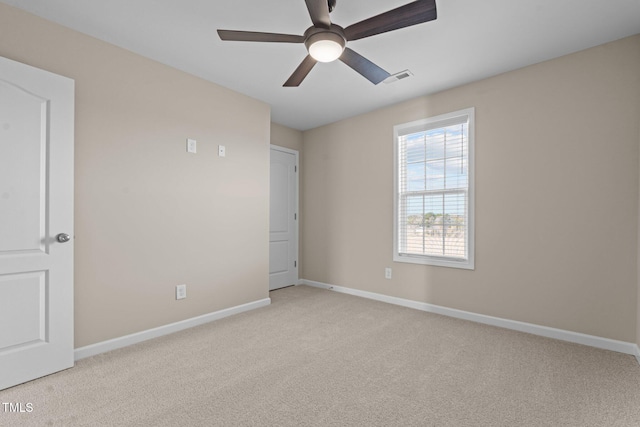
410	14
319	11
362	65
252	36
301	72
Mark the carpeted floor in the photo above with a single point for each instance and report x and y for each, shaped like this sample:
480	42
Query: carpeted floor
320	358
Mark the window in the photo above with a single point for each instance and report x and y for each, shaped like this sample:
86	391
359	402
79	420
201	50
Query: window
433	191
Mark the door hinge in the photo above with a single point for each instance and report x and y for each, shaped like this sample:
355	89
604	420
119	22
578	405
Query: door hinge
295	216
295	264
295	169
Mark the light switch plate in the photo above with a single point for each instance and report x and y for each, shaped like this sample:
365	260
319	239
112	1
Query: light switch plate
181	291
191	145
221	151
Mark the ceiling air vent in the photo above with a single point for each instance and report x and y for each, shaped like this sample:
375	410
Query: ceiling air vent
398	76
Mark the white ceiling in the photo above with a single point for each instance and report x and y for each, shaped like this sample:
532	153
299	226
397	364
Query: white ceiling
470	40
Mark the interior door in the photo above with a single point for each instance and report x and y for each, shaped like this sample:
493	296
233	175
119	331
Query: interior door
36	223
283	227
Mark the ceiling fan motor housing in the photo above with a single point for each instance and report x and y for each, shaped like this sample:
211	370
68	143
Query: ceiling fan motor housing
332	40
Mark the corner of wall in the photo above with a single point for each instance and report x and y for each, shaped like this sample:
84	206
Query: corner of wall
286	137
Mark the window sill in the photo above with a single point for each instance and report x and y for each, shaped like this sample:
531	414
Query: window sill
465	264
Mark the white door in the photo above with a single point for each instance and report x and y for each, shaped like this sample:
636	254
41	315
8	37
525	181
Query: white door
283	227
36	206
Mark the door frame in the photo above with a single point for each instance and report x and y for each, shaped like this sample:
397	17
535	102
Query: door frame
296	154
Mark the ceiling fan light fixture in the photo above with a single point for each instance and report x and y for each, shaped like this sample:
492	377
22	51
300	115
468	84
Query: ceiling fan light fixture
325	46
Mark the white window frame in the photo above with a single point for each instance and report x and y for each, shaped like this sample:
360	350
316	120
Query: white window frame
423	125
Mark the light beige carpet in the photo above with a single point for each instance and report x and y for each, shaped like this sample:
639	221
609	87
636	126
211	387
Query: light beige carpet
319	358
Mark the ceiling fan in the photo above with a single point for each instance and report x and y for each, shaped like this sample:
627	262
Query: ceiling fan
326	42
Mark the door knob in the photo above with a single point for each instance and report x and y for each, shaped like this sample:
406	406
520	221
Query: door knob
63	237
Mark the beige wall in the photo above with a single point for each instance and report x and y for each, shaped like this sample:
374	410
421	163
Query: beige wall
557	190
286	137
149	216
556	197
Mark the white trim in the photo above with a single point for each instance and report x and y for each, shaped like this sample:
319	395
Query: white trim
530	328
284	149
127	340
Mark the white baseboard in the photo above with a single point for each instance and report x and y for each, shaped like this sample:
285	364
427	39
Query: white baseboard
559	334
127	340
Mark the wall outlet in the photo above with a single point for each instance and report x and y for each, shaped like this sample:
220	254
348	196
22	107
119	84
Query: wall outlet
181	291
387	273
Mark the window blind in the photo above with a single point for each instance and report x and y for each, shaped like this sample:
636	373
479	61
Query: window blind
432	189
